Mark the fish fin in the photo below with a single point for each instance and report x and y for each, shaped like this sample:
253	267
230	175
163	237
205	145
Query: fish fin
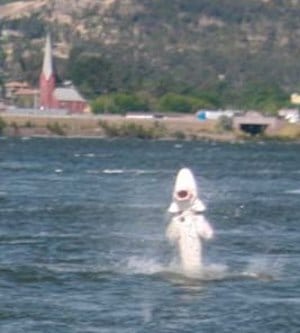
173	208
198	206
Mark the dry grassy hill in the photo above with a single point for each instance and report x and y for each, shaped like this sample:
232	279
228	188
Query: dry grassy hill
210	45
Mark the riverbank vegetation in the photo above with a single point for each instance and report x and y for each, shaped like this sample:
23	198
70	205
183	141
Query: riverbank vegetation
155	130
2	125
171	128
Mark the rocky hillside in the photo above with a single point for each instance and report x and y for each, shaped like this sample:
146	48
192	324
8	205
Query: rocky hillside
152	45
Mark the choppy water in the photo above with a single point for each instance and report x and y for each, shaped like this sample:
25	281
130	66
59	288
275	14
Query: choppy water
82	245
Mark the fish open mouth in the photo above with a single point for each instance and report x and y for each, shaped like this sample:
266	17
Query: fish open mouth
183	195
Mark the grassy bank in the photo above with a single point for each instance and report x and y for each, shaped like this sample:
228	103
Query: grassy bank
182	128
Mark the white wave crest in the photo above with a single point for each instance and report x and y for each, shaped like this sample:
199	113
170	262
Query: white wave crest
112	171
296	191
142	265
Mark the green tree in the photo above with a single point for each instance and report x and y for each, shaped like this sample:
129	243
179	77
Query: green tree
2	56
91	73
182	103
175	103
103	104
119	103
32	27
129	102
264	97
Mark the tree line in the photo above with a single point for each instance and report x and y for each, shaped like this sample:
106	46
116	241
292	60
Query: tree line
112	88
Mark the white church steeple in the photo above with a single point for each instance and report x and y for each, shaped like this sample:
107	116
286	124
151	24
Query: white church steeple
47	64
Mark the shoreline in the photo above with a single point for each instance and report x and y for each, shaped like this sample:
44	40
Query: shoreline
180	127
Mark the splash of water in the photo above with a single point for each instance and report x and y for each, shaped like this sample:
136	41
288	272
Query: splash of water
263	268
152	266
142	265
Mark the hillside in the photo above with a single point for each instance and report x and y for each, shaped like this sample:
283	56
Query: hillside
220	46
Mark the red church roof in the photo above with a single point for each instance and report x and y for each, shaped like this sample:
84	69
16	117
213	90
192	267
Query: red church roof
68	94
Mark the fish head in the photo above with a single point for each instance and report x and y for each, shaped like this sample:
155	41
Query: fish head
185	189
185	194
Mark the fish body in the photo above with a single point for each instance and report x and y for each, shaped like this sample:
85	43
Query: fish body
188	224
185	194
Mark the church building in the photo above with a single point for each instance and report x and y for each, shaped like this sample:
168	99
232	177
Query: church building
52	97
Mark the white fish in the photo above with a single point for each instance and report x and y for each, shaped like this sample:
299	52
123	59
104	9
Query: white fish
188	225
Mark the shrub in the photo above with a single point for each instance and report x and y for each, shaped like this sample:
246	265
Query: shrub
176	103
129	102
179	135
56	128
182	103
134	130
103	104
2	125
225	124
109	130
119	103
29	124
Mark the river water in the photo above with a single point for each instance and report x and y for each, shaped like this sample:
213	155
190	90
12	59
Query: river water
83	247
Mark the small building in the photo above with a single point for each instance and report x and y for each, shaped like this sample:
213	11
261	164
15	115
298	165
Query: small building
12	87
295	98
26	97
52	97
291	115
21	94
69	98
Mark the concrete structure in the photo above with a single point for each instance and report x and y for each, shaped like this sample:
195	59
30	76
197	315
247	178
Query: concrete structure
255	123
52	97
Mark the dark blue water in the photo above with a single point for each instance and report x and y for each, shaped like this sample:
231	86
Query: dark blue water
82	245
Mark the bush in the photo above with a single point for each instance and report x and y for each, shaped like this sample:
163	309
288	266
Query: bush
179	135
128	102
2	125
109	130
176	103
133	130
264	97
118	103
103	104
225	124
182	103
56	128
84	69
29	124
